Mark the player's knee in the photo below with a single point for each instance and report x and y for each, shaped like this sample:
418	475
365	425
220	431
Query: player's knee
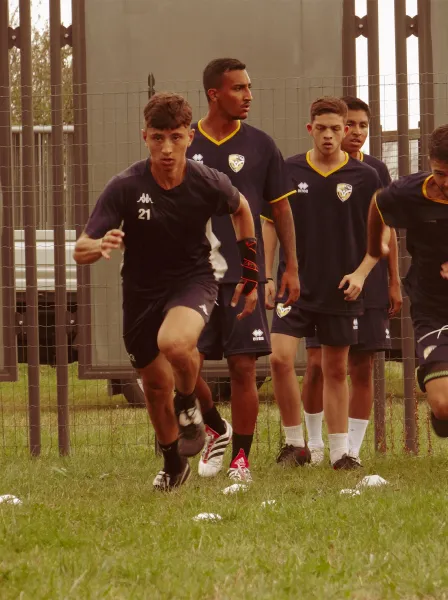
438	402
336	372
157	389
360	370
242	368
176	349
281	362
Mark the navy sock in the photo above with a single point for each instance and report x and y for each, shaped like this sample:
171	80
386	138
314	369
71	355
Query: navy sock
171	458
213	419
243	442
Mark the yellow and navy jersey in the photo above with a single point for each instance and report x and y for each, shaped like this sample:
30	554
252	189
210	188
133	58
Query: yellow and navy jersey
254	164
406	204
166	237
376	287
330	216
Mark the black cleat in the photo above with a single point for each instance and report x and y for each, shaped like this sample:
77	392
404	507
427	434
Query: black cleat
294	455
191	425
346	463
440	426
165	482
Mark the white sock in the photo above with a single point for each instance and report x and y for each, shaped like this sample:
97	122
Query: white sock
356	432
314	428
338	446
294	436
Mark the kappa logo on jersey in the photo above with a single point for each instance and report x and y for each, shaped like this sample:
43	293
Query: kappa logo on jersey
344	191
355	324
145	199
198	158
427	351
236	162
258	335
302	188
282	311
203	307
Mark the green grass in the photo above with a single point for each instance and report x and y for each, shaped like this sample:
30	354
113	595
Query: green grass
91	527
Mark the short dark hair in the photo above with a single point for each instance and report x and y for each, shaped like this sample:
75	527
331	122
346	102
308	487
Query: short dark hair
166	110
354	103
213	72
328	104
438	144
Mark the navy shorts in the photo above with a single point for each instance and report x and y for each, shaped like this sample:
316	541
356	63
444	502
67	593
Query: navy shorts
431	340
373	332
143	316
224	335
332	330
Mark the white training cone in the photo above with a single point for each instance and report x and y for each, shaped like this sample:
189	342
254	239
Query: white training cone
9	499
267	503
207	517
236	487
371	481
348	492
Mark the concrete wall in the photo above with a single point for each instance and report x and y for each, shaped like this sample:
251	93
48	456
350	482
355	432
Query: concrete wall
293	52
439	19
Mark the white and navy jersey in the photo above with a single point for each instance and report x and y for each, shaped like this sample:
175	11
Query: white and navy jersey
330	216
254	164
168	236
405	203
376	287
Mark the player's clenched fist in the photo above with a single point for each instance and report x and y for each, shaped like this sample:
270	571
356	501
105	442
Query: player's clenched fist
111	241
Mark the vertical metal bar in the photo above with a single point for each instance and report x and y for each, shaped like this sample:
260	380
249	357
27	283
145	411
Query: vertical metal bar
426	79
57	153
29	222
373	58
379	404
6	182
81	191
407	334
349	48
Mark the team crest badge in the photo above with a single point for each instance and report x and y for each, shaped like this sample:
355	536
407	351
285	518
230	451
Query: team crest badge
282	311
344	191
236	162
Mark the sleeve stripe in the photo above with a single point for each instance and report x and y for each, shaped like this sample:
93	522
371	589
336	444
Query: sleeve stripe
266	219
282	197
378	208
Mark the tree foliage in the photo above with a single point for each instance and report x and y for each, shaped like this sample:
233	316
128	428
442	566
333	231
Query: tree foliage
41	78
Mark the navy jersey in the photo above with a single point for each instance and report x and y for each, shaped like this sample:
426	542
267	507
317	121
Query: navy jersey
376	287
330	217
166	238
405	204
256	167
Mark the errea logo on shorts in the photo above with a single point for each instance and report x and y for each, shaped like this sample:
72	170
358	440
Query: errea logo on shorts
355	324
258	335
302	188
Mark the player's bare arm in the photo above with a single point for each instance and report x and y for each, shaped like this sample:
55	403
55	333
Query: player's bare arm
243	225
284	226
88	250
270	240
444	270
395	295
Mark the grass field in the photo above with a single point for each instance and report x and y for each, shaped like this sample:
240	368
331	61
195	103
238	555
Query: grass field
90	526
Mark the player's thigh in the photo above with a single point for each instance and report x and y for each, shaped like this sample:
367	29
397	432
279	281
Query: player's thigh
284	350
187	312
210	340
248	336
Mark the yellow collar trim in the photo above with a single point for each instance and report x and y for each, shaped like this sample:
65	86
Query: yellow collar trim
361	156
425	192
308	160
218	142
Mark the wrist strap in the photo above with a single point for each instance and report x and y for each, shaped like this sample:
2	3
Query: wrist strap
249	274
